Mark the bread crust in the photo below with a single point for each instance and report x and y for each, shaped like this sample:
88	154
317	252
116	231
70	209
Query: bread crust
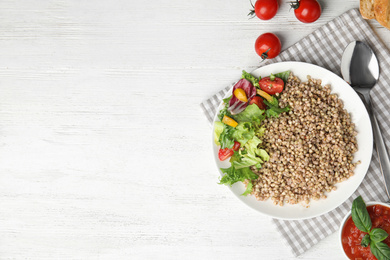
367	9
376	9
380	10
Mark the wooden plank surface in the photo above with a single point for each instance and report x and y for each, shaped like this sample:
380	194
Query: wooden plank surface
104	151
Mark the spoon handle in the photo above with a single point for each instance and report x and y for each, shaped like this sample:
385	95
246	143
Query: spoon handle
381	150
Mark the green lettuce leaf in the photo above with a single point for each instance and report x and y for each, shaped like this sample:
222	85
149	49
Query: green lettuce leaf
252	113
251	155
243	132
218	129
260	131
283	75
273	108
226	138
248	190
233	175
224	111
251	78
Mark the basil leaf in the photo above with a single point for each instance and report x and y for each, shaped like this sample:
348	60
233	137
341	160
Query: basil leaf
360	215
378	235
365	241
380	250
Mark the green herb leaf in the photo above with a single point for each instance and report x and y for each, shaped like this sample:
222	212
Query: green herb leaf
366	240
272	77
360	215
378	235
380	250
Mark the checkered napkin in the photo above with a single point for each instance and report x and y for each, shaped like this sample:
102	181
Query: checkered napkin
324	47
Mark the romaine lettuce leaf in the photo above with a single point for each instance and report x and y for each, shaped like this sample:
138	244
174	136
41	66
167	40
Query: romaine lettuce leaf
252	113
226	139
283	75
243	133
218	129
251	78
248	190
224	111
251	155
233	175
273	108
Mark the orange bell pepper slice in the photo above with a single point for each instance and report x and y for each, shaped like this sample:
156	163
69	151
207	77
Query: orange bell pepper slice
240	94
264	95
229	121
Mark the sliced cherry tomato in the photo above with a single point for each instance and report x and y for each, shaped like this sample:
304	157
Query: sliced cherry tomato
258	101
271	86
306	11
225	153
265	9
268	46
236	146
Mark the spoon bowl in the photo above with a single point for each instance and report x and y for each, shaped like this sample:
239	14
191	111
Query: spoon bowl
360	68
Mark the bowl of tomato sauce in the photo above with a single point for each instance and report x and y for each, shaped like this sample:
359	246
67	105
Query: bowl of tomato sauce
351	237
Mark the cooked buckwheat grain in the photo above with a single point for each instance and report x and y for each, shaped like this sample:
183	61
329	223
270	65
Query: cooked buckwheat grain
311	147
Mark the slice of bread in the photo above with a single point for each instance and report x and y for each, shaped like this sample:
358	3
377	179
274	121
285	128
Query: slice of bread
382	12
367	9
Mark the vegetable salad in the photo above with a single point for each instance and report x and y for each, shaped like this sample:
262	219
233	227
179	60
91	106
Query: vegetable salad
239	131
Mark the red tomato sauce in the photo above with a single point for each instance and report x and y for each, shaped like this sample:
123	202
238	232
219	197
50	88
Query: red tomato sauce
351	236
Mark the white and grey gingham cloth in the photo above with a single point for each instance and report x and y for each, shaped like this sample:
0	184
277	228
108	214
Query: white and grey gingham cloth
324	47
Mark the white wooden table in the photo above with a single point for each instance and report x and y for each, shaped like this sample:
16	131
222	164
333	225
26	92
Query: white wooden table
104	151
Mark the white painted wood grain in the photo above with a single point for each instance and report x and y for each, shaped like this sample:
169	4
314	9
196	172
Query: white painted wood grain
104	151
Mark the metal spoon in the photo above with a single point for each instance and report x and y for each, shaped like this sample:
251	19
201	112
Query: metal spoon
360	68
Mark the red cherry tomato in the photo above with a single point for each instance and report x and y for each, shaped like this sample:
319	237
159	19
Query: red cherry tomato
271	86
265	9
225	153
236	146
258	101
268	46
306	11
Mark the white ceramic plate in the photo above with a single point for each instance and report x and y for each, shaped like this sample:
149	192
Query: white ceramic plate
345	189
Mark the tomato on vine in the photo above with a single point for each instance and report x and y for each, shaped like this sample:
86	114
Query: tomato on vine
306	11
264	9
